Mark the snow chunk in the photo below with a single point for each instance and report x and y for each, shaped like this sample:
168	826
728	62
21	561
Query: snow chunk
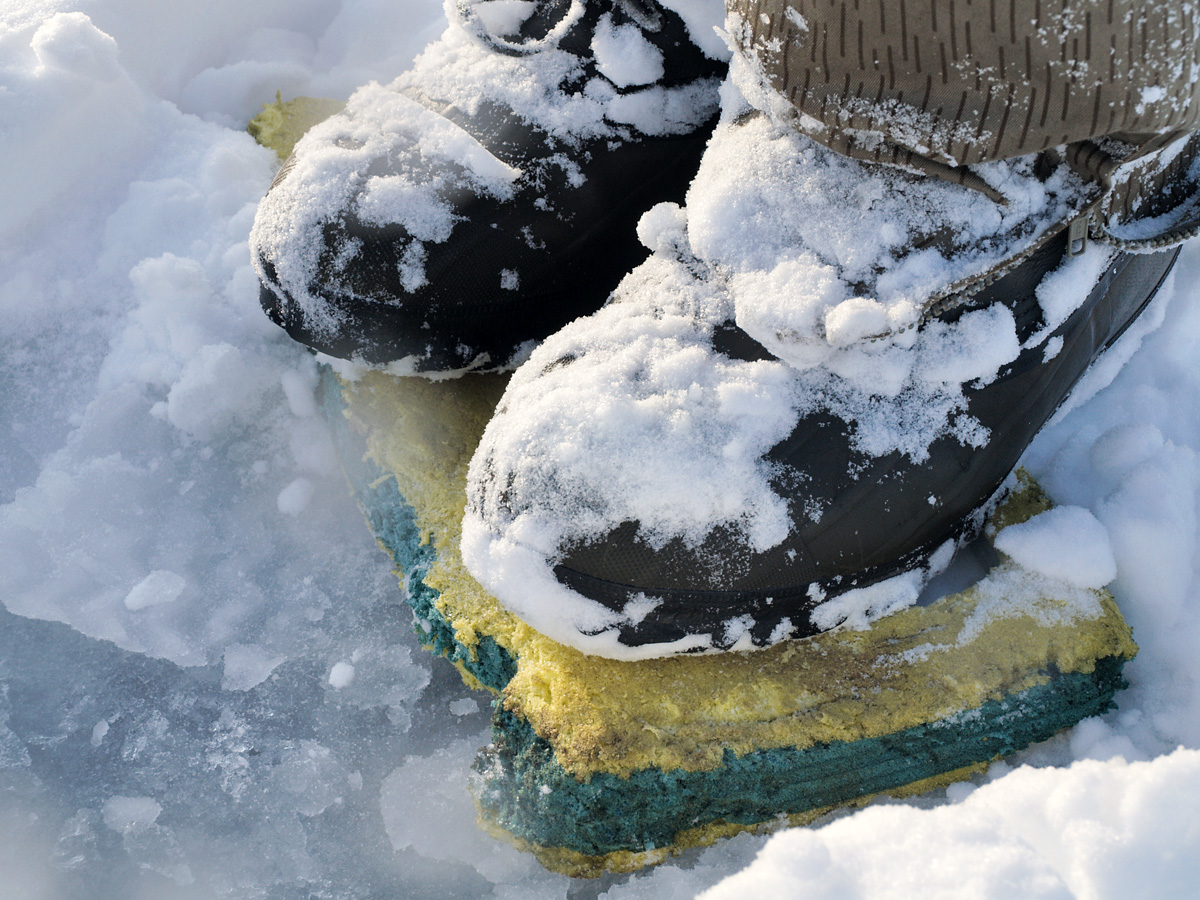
1063	290
157	588
294	498
341	675
858	608
504	16
661	110
218	386
663	228
854	319
1066	542
624	56
972	349
1009	591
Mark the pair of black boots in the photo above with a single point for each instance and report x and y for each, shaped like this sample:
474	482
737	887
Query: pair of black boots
786	418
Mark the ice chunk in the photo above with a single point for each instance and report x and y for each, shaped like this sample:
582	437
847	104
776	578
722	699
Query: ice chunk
247	665
426	806
467	706
126	814
158	587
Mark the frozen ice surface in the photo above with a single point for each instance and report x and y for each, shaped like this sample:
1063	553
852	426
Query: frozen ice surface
182	569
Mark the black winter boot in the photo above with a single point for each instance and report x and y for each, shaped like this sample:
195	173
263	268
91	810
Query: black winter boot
792	414
489	195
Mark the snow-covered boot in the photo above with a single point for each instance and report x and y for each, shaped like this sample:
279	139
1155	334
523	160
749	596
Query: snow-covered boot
791	415
489	195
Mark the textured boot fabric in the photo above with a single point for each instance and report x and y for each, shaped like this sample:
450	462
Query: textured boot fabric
957	82
937	86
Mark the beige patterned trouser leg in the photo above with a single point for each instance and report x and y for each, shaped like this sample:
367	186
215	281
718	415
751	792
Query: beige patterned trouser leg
938	85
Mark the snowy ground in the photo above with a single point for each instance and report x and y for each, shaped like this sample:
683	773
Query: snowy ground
207	687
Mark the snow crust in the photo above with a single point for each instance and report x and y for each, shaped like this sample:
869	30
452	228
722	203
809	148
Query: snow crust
194	748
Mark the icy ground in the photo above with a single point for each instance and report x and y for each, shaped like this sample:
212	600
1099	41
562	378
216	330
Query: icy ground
207	688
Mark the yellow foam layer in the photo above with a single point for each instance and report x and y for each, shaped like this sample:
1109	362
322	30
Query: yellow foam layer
600	715
280	124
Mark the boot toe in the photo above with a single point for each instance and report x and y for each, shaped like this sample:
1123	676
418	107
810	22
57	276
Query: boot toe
487	197
654	482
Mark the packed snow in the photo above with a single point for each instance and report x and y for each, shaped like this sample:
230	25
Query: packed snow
208	687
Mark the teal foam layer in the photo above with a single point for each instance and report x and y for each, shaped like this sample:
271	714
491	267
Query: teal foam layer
393	522
523	790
